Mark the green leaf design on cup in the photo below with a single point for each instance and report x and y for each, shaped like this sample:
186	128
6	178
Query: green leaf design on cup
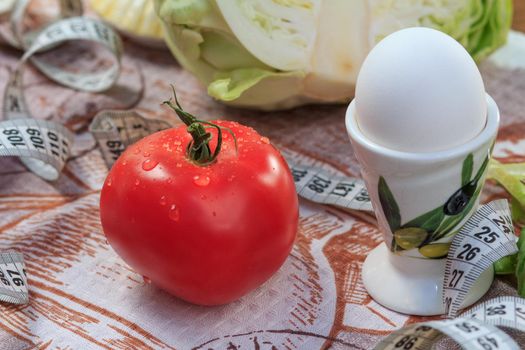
389	205
466	171
438	223
429	221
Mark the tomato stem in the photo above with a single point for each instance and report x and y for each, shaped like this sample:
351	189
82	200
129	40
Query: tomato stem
198	150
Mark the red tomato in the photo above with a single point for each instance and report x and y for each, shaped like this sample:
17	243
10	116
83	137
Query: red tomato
207	234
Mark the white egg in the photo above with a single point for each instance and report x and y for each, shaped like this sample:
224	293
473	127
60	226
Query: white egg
420	91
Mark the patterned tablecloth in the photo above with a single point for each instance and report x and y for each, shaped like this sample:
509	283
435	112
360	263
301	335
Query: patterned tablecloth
83	296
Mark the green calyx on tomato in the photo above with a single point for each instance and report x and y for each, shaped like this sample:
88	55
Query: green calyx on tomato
198	150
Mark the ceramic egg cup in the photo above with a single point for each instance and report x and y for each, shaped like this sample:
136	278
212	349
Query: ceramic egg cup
420	200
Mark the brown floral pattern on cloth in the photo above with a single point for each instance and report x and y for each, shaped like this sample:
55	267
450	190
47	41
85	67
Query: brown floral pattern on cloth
83	296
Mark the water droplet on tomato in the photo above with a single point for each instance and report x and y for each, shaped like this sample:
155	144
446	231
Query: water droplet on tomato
124	162
146	279
203	197
178	165
108	182
149	164
146	154
162	200
136	151
201	180
174	213
265	140
137	182
169	181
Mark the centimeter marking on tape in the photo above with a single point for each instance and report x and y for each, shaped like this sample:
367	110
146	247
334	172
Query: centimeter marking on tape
44	146
323	184
114	131
487	236
475	330
506	311
13	279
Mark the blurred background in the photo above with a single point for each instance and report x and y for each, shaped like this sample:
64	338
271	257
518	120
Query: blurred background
519	15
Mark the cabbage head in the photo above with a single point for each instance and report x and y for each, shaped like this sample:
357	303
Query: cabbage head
274	54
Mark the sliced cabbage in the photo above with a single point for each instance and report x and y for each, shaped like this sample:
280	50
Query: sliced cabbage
274	54
281	33
337	55
250	87
479	25
136	18
6	6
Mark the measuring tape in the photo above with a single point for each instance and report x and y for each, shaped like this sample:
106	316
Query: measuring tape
114	131
44	146
13	279
487	236
476	329
318	182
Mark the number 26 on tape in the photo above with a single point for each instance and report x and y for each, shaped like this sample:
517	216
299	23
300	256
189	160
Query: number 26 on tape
469	252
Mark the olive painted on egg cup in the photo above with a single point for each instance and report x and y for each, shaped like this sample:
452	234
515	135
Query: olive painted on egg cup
421	200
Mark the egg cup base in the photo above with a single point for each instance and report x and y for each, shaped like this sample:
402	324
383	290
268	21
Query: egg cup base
413	286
